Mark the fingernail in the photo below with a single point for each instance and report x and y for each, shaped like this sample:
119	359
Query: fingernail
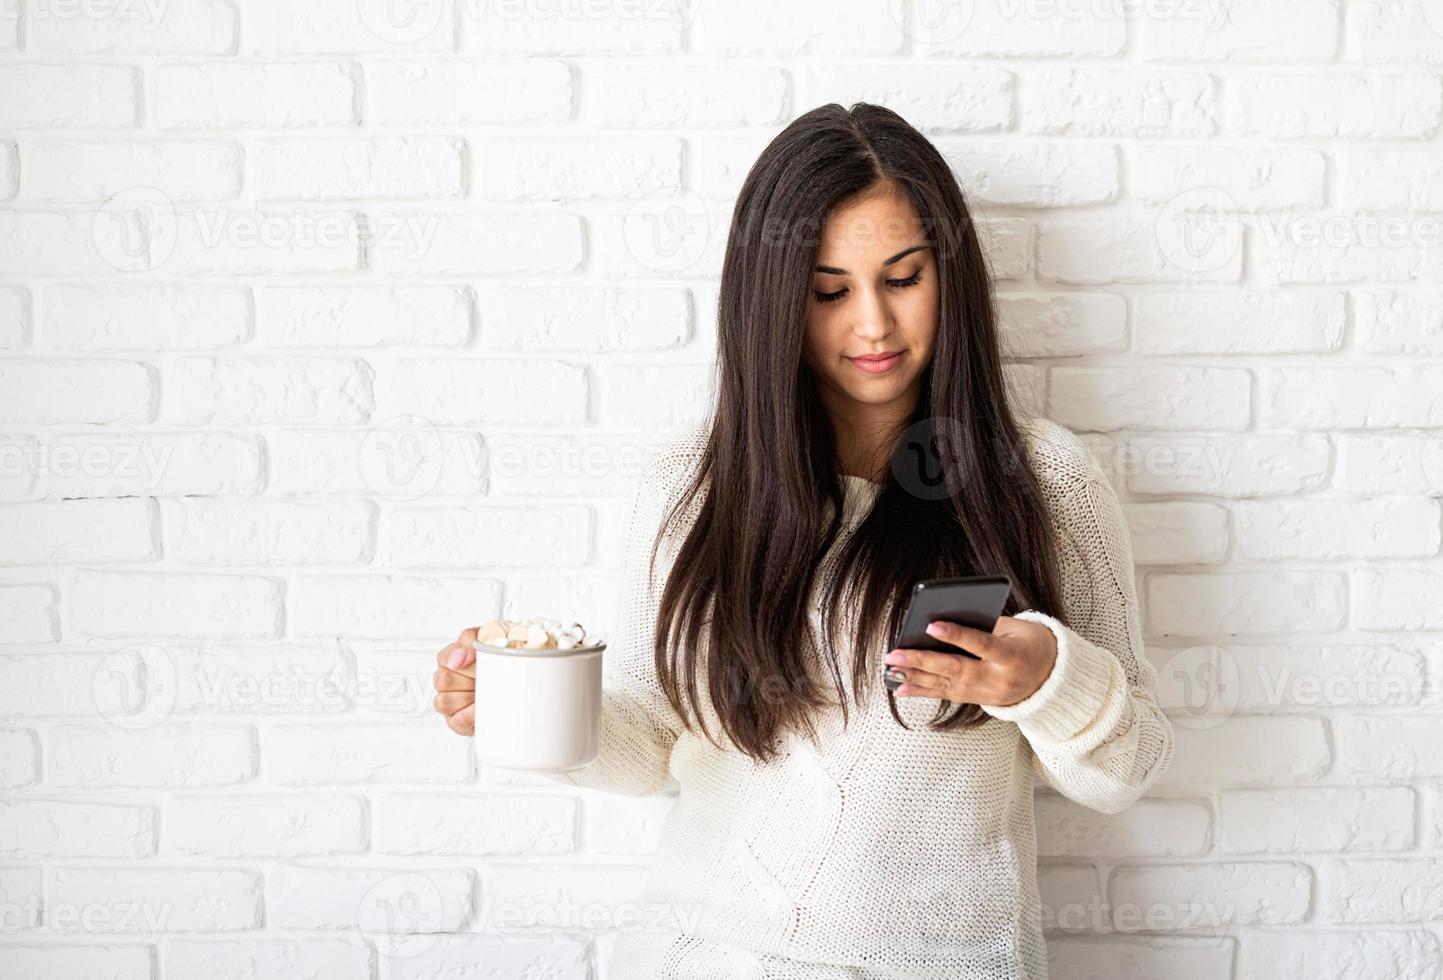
458	653
934	629
896	675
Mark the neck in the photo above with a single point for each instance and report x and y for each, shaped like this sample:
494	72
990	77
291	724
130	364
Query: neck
866	434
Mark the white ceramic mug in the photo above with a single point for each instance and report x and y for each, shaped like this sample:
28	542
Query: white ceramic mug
538	710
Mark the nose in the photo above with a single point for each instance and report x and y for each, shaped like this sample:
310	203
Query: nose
874	319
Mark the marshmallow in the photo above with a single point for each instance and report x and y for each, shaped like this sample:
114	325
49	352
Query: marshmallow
535	634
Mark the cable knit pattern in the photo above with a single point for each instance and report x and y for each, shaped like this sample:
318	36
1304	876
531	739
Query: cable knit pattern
887	853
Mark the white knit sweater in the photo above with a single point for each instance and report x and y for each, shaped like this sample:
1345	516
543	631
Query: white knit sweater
888	853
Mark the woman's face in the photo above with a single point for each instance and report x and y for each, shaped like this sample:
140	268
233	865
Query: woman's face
874	291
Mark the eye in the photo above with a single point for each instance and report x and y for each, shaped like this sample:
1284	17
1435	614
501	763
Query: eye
911	280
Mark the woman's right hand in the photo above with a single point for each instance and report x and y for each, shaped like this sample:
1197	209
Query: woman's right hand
455	683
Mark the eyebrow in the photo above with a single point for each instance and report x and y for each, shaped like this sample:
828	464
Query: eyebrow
834	271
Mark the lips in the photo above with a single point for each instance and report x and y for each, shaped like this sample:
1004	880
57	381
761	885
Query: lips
877	363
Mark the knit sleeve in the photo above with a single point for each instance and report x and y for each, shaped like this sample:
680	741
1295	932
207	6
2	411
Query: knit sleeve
638	725
1095	728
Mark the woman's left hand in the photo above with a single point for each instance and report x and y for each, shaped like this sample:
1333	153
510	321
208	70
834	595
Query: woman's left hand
1017	657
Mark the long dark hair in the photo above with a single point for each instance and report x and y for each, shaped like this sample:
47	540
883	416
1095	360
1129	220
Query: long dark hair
959	498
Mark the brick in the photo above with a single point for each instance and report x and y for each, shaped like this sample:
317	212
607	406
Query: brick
194	27
1393	33
267	95
19	753
92	391
1239	322
1284	30
1358	397
1284	821
268	390
49	243
173	604
595	318
1252	177
230	241
77	531
83	171
112	961
1161	251
755	27
1390	180
1153	828
694	96
73	828
1178	533
475	824
1382	890
454	391
354	754
1384	463
1323	955
15	329
452	537
399	458
329	26
513	27
662	395
932	98
1334	530
1245	602
65	96
28	614
1334	105
389	606
1160	397
1234	465
175	755
1396	598
1250	751
149	316
496	243
168	899
551	168
408	167
450	91
1024	172
364	316
270	825
201	531
257	959
998	29
1206	896
1389	322
152	464
1108	102
1061	324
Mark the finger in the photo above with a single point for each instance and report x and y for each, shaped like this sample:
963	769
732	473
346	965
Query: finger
453	680
945	664
458	656
974	641
450	702
463	722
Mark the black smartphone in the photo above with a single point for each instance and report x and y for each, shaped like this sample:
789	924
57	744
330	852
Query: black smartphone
974	601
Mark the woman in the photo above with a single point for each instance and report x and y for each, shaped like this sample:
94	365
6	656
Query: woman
862	441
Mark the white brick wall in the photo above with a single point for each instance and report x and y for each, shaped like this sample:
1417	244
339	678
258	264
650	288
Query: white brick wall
324	334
